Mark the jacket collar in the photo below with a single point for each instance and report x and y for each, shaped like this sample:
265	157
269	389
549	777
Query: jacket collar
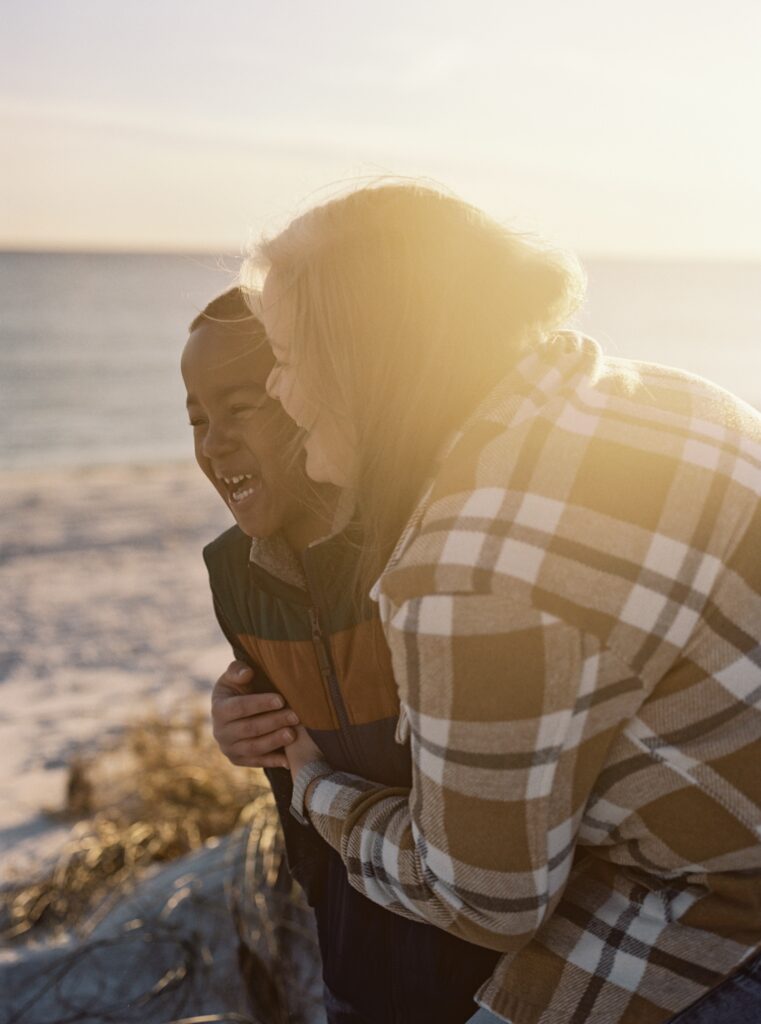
276	556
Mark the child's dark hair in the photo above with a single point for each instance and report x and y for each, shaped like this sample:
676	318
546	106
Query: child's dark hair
229	307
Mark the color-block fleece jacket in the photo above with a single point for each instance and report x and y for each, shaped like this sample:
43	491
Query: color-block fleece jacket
296	623
574	618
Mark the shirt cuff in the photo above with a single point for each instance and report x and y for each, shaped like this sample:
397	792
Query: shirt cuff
306	776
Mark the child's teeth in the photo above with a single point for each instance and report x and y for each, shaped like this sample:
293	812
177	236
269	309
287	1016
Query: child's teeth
240	495
237	479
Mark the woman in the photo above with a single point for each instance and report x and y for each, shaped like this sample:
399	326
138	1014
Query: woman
567	551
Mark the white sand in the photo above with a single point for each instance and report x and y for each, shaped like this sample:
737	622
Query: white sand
106	615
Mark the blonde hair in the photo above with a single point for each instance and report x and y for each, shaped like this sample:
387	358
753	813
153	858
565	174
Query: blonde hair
409	305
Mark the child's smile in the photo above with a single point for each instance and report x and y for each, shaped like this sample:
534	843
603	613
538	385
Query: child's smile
240	489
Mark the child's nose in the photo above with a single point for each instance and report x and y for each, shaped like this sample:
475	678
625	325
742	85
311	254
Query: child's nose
217	441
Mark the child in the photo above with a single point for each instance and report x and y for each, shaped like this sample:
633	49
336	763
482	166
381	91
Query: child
283	596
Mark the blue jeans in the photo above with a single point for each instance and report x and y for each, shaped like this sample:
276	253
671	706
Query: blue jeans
483	1016
737	1000
341	1013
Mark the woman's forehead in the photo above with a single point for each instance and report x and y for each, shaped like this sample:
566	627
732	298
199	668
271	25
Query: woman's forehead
277	315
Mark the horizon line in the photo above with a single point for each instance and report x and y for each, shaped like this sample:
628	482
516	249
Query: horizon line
591	257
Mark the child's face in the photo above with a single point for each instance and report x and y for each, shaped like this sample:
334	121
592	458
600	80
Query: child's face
240	434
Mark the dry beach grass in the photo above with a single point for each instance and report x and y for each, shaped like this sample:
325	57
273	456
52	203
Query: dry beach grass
144	881
160	792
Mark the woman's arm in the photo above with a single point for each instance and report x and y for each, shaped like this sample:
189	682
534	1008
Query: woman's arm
511	714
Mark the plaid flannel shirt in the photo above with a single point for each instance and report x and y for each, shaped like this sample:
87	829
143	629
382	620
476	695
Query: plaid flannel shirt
574	618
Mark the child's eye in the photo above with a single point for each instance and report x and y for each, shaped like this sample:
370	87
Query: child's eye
241	408
197	421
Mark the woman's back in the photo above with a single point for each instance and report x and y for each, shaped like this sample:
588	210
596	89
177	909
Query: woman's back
586	578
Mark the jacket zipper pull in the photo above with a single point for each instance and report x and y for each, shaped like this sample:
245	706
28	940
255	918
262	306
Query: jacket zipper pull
319	643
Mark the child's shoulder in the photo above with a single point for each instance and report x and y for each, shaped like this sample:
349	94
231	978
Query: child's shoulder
229	551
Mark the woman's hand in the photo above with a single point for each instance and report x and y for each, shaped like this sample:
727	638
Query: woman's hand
301	751
250	728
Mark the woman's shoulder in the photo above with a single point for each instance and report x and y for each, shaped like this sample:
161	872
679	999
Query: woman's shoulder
572	425
600	474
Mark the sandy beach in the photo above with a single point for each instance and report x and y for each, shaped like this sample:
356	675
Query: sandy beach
106	617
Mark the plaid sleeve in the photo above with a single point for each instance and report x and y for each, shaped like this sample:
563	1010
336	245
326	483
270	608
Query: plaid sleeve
512	712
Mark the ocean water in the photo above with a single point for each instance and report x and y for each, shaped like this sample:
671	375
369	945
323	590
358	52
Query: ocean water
89	353
90	344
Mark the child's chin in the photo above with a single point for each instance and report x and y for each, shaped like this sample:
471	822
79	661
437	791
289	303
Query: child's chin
256	515
257	527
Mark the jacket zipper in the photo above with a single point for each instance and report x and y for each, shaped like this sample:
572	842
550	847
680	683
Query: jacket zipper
328	672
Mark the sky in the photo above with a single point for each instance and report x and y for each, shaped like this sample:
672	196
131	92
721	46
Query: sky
619	129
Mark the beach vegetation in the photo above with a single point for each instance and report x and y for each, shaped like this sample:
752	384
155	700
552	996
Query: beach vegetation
162	790
169	898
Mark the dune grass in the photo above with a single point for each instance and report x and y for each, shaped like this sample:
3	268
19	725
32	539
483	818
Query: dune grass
163	790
